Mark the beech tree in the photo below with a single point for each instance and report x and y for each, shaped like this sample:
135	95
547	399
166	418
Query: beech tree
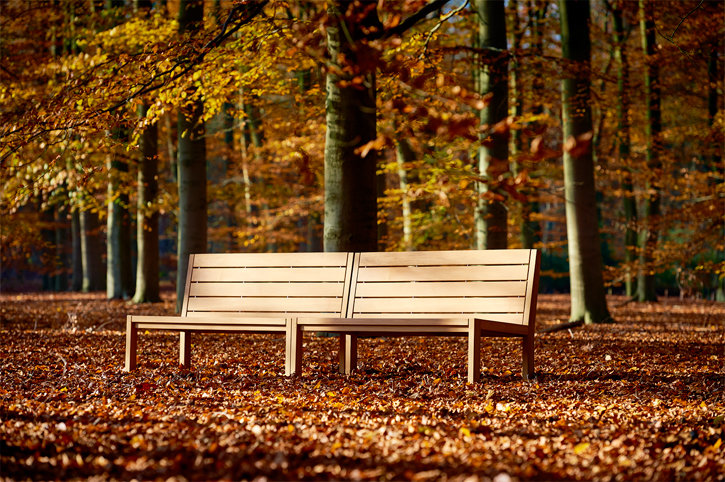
350	183
192	214
492	80
653	127
588	301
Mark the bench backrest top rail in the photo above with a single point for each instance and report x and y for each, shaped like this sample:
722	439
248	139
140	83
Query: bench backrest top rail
496	285
267	284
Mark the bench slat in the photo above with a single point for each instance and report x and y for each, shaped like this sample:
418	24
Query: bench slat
280	305
268	274
440	305
442	289
263	260
444	273
447	258
514	319
211	327
351	322
266	289
206	318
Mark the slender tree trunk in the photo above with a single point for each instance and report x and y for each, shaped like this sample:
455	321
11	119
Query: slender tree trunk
92	252
404	155
192	236
60	279
623	148
491	215
588	301
527	228
716	160
147	217
653	127
350	182
77	256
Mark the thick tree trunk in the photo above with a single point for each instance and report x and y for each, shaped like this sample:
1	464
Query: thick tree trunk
491	215
350	181
94	270
147	217
119	282
653	127
623	149
192	234
588	301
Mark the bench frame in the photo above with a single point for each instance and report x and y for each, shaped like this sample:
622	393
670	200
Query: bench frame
347	322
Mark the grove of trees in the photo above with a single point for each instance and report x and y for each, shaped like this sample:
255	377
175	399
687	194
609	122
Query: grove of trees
591	129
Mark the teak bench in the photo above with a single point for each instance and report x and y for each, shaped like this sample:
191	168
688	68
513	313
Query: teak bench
250	292
464	293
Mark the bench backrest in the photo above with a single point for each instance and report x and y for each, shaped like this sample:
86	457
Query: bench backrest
267	284
496	285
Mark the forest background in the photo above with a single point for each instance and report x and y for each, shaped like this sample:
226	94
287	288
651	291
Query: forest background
134	132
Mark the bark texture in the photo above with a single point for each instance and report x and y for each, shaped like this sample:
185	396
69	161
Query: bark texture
350	181
588	301
192	229
492	78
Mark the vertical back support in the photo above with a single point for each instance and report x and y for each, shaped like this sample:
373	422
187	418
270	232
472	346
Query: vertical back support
131	345
185	336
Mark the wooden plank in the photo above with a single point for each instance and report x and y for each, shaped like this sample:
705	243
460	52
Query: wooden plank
441	289
211	328
281	305
269	274
267	289
444	273
389	330
495	317
440	305
446	258
312	321
263	260
206	318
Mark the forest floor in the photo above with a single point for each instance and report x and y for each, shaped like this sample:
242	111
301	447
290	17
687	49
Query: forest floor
640	399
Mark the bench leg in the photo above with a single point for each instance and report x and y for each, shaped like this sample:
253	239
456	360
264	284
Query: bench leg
527	347
348	353
131	345
185	349
474	352
293	350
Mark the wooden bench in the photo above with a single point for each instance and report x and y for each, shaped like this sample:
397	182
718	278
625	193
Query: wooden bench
250	292
464	293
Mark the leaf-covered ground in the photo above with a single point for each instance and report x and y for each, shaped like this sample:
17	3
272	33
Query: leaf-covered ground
640	399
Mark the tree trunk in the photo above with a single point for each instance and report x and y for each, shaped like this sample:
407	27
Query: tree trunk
147	217
404	154
588	301
491	215
92	252
623	149
653	127
60	279
191	165
76	256
118	241
350	182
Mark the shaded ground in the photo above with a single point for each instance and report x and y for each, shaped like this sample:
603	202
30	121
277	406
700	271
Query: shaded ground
640	399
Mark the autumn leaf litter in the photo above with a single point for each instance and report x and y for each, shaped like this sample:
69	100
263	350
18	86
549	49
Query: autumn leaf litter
638	399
